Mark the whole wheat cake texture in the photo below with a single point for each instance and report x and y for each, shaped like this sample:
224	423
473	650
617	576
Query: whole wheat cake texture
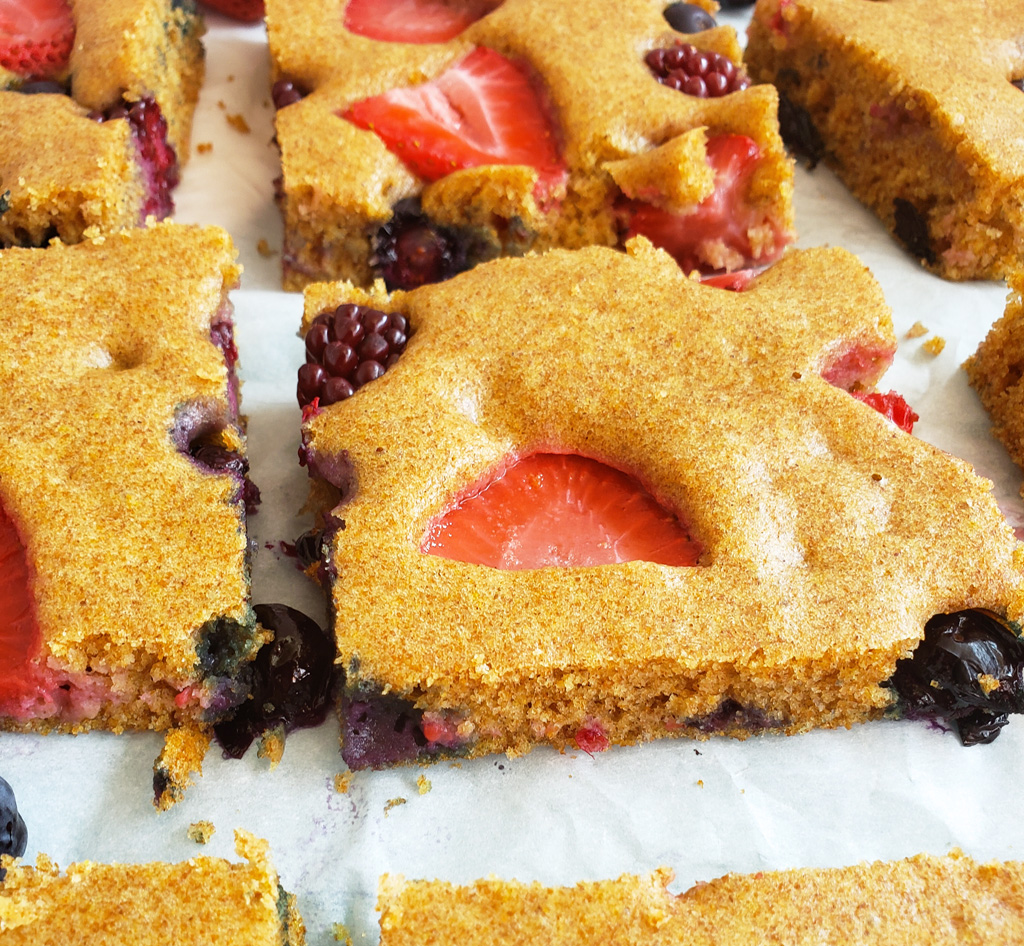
996	372
911	102
203	901
132	607
73	177
942	901
621	134
830	537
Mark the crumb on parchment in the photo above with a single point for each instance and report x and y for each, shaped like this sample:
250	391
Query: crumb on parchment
239	123
916	330
934	345
423	784
342	782
394	803
341	934
201	831
204	147
264	248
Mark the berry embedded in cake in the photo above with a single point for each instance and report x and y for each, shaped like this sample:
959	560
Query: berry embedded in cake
869	89
201	900
13	833
58	70
127	599
594	503
518	126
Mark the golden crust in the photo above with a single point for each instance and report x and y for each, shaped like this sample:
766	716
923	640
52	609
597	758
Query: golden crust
830	536
608	108
132	547
902	117
196	902
996	372
943	901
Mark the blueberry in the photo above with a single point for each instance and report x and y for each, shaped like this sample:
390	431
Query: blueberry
968	670
42	87
689	18
799	133
1019	83
292	679
911	228
13	833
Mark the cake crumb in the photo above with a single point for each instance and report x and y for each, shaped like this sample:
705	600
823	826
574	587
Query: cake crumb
239	123
916	330
221	105
231	78
265	249
271	746
342	782
423	784
204	147
201	831
934	345
393	803
700	783
341	934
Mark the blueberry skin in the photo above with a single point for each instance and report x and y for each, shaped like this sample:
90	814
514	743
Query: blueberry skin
688	18
13	833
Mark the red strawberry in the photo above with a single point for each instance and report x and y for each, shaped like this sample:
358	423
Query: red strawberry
414	21
722	217
736	281
591	737
482	110
247	11
19	635
36	37
560	510
891	406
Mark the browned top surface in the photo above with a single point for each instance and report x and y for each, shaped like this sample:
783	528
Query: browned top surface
101	345
197	902
826	529
943	901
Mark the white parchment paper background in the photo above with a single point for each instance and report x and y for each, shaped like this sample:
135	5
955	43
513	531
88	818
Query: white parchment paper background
704	808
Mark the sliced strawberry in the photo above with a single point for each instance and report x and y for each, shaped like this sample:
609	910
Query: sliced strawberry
247	11
559	510
857	365
414	21
591	737
482	110
36	36
734	282
719	225
891	406
19	633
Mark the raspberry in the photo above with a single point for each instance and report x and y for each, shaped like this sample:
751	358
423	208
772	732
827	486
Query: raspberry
696	72
346	348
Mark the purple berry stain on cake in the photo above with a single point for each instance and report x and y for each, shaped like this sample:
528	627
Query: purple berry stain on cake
292	680
13	833
696	72
347	348
968	672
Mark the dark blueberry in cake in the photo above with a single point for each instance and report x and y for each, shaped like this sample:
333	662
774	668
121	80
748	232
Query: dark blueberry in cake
13	833
735	4
411	250
292	679
911	229
1019	83
285	92
309	548
346	348
5	202
689	18
696	72
732	715
43	87
799	133
222	334
968	671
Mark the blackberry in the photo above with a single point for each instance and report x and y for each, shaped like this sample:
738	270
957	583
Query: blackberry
968	670
688	18
911	227
286	92
696	72
1019	83
292	679
43	87
346	348
411	250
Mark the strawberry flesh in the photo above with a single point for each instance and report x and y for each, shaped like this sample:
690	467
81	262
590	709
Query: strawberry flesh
414	21
19	633
246	11
483	110
720	223
36	37
559	510
891	406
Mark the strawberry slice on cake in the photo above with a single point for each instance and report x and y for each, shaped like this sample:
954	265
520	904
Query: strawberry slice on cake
36	37
483	110
414	21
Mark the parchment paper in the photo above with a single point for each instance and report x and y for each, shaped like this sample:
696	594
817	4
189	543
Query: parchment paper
885	790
